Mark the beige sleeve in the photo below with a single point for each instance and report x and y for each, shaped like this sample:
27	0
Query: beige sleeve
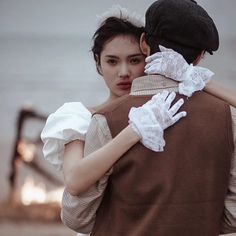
229	217
79	212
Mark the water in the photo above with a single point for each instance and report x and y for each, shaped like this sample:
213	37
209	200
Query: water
43	73
49	71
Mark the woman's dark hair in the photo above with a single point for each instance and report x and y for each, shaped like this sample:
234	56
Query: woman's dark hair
189	54
108	30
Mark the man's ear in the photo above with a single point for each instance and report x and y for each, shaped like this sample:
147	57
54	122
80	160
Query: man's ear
144	46
199	58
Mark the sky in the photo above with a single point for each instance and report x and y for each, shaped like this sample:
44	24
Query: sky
70	17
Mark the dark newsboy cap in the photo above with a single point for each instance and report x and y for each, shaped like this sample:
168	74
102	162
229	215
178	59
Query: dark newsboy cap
182	22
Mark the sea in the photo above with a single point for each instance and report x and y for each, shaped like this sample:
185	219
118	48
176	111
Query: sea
44	72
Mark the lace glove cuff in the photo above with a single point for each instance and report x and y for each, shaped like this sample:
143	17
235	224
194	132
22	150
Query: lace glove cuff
173	65
146	126
150	120
194	79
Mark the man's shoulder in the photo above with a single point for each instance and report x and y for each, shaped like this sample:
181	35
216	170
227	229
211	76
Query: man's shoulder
203	103
207	97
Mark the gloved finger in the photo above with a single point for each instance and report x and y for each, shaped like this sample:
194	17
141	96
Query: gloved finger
149	103
149	64
164	94
156	97
164	49
160	98
170	99
157	61
155	69
160	55
152	101
169	51
153	57
176	106
204	73
178	116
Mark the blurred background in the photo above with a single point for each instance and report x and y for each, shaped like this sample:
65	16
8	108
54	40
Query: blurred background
45	61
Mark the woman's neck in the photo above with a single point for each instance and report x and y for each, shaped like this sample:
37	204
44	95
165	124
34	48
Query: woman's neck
110	99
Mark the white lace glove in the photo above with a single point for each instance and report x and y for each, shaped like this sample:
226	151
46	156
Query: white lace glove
150	120
173	65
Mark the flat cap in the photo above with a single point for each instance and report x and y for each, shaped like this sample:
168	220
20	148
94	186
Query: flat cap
182	22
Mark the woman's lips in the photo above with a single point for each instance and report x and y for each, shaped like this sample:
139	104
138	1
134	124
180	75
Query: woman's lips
124	85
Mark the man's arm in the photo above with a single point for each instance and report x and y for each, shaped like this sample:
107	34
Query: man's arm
78	212
229	217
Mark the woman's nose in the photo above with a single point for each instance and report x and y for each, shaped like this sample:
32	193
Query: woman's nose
124	70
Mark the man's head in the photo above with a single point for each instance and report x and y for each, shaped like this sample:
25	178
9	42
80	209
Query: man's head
182	25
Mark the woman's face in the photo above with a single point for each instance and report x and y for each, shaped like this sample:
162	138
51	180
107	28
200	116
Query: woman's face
121	61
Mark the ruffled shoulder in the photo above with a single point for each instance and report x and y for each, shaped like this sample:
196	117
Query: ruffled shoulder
69	122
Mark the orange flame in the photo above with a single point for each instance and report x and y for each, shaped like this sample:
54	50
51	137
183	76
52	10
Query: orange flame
36	193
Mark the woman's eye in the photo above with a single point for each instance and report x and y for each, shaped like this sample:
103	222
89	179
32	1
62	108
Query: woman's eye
135	61
112	62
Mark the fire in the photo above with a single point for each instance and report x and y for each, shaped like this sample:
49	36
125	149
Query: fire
36	193
27	151
55	196
32	193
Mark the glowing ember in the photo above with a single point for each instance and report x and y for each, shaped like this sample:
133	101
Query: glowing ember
27	151
55	196
36	193
32	193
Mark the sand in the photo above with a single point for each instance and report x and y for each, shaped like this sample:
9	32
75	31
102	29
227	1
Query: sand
9	228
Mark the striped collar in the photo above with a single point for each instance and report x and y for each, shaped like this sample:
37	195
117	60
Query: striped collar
152	84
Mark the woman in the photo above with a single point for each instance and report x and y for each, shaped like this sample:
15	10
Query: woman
119	60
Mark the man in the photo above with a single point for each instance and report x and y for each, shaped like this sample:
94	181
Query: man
180	191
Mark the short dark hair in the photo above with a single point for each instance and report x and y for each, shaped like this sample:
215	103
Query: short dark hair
189	54
109	29
182	25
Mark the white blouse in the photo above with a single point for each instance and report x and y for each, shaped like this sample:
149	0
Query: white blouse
70	122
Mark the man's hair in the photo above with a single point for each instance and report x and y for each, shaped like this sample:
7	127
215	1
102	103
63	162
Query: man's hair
182	25
189	54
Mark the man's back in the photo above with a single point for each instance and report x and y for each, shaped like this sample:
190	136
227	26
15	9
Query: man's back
180	191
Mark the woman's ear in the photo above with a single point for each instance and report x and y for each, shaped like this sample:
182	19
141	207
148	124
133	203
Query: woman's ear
144	46
98	65
99	69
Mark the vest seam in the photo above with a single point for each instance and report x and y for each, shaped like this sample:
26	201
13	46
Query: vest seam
229	127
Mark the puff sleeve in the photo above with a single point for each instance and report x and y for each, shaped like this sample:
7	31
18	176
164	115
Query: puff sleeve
70	122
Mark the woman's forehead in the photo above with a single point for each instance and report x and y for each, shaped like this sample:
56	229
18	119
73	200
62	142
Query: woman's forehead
122	44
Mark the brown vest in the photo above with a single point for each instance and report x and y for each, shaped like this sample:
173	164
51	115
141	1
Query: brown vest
178	192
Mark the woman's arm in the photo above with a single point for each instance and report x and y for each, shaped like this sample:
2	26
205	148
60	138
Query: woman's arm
81	173
221	92
157	115
192	78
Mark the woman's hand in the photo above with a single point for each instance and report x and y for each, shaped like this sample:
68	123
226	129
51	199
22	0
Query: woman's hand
150	120
172	65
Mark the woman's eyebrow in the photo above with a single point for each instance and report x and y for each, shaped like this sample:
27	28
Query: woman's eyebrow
136	55
112	56
129	56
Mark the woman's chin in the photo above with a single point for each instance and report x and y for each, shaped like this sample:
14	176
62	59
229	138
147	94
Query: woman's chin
123	92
